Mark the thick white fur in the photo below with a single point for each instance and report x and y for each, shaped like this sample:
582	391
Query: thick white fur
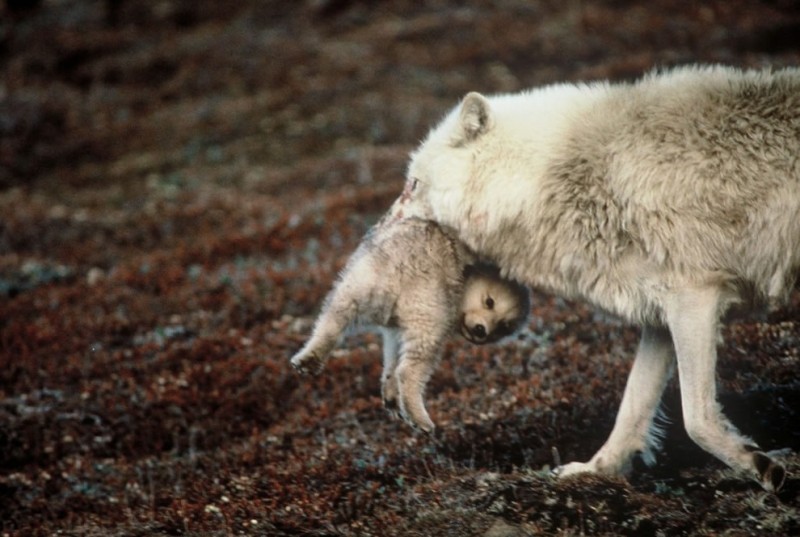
664	201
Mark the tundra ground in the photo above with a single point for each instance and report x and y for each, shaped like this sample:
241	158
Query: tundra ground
180	181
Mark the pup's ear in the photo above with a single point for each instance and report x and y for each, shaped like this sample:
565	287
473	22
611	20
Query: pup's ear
474	119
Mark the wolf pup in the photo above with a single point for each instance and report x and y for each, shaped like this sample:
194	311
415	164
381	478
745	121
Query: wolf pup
664	201
419	284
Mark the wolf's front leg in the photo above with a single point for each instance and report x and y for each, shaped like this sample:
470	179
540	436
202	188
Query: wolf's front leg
693	316
634	432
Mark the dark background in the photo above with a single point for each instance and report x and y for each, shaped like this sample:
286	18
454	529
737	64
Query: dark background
180	182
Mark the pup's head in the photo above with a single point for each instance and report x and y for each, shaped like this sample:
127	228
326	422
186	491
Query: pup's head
492	307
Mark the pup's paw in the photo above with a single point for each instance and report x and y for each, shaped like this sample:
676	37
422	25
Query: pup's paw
391	407
421	422
389	393
308	363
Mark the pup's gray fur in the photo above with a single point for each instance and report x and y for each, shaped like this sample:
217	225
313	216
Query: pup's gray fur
418	283
664	201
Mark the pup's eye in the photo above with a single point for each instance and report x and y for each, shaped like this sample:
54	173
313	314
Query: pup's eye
489	302
414	183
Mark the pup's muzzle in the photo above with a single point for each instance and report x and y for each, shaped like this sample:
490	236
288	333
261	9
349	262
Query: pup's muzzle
475	334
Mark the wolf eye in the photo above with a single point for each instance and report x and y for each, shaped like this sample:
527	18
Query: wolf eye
490	302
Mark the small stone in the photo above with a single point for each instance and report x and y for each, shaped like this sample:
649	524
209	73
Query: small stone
94	276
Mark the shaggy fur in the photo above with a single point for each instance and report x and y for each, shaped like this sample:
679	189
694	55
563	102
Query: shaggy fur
664	201
419	284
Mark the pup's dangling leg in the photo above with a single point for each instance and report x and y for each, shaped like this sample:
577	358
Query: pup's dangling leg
391	349
338	312
419	354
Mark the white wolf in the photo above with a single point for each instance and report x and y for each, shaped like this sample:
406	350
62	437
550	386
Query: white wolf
663	201
420	284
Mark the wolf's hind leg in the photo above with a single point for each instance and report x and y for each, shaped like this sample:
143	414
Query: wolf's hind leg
692	316
633	433
337	314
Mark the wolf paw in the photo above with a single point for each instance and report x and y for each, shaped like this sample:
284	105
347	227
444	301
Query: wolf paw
574	468
308	363
771	475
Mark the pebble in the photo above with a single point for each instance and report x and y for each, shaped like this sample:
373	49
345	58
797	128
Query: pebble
94	276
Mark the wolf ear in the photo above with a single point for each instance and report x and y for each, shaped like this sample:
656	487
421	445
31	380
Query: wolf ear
474	118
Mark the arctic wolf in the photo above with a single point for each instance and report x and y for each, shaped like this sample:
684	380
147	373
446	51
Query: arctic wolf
664	201
420	284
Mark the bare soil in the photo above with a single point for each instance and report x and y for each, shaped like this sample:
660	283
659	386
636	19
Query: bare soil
180	181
